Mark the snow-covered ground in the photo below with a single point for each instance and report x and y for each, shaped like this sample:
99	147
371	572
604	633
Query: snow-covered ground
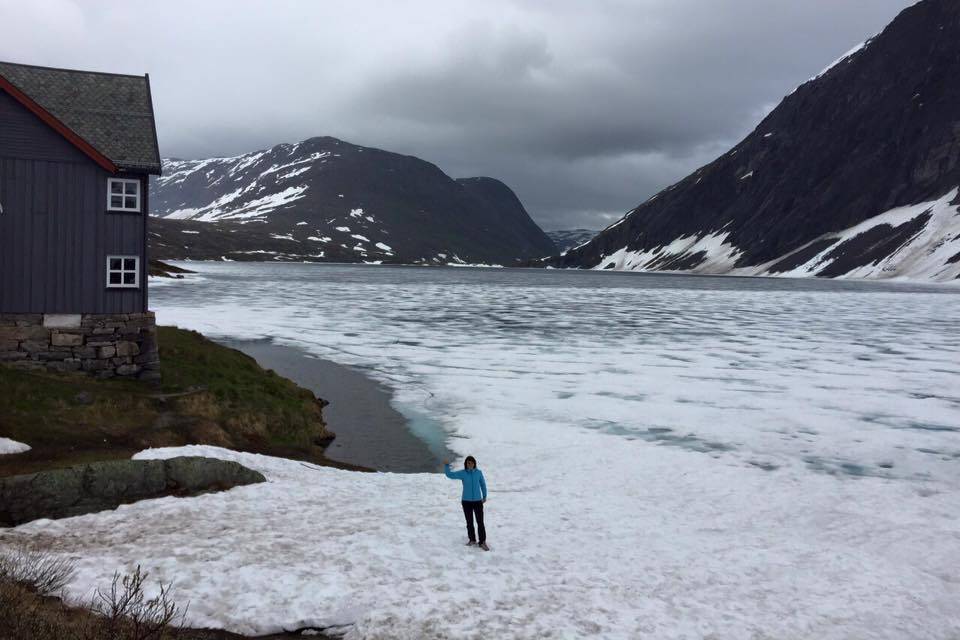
8	446
668	457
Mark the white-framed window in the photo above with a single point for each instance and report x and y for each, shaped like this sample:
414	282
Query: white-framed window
123	195
123	272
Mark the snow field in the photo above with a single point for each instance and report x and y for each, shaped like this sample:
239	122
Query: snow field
622	555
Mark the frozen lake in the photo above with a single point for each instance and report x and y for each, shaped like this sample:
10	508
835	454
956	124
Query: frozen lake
668	457
839	377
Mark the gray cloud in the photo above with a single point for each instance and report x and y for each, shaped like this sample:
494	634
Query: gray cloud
584	108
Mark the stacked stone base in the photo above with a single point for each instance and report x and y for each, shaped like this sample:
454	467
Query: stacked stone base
103	345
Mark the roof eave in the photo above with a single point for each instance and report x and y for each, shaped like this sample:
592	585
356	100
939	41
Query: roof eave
57	125
153	123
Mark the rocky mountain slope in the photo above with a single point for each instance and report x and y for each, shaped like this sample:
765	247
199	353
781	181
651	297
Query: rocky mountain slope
854	174
327	200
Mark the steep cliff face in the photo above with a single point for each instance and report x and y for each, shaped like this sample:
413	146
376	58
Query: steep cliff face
324	199
853	174
508	221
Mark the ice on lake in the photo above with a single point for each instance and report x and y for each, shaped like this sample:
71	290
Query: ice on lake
668	456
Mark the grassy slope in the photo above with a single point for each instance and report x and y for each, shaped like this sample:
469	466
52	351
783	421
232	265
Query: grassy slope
210	395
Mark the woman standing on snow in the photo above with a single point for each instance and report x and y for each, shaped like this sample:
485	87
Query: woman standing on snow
474	495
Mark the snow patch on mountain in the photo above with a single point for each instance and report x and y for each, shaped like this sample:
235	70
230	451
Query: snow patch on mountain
294	173
246	161
930	252
310	159
221	209
9	447
259	206
710	253
847	57
235	204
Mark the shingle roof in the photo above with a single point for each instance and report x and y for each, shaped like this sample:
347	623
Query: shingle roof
112	112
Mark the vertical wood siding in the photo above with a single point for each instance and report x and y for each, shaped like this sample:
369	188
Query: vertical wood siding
55	231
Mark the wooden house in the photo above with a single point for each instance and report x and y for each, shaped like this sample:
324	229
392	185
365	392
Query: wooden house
77	149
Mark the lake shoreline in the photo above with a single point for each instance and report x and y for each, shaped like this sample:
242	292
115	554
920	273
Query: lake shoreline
370	431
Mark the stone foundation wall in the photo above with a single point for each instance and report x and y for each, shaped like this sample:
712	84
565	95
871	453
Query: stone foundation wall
104	345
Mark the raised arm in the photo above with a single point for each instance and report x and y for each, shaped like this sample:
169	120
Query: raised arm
453	475
483	485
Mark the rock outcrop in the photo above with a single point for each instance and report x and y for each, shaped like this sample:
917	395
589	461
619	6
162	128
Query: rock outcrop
98	486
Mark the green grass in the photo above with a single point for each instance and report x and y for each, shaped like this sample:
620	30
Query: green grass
245	393
49	409
210	394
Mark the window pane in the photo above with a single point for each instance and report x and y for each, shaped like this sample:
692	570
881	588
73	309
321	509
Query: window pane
116	202
130	202
129	264
130	188
114	277
116	187
115	264
129	278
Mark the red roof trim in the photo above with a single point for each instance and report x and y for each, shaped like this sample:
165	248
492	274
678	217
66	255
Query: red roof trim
60	128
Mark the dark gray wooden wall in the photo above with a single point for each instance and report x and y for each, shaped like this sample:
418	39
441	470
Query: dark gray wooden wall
55	231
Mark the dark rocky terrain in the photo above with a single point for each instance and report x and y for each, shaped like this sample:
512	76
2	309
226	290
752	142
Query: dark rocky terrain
811	189
327	200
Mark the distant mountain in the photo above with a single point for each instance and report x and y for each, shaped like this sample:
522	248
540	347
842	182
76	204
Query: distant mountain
854	174
324	199
569	238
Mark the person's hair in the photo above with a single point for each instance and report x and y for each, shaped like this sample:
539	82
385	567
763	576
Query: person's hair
470	459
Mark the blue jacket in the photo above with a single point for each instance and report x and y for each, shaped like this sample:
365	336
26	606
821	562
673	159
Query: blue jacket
474	486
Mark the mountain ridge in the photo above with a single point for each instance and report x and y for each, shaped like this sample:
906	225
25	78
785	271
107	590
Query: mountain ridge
324	199
874	133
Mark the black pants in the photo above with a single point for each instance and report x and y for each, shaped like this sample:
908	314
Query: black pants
473	508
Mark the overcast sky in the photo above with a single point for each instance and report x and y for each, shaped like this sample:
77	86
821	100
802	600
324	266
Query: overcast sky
585	108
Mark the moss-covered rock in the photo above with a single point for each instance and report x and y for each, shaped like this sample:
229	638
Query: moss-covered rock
97	486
